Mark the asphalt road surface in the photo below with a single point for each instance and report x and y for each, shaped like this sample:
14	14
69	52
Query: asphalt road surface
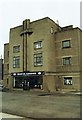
41	105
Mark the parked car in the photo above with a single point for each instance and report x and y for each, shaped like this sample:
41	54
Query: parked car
2	87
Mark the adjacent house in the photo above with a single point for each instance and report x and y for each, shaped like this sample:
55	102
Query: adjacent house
1	70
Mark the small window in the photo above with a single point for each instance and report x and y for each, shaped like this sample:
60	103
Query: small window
38	45
7	81
67	80
38	59
66	44
16	62
7	66
67	61
8	53
16	49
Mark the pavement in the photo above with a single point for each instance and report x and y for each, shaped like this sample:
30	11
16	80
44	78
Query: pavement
36	104
5	115
43	93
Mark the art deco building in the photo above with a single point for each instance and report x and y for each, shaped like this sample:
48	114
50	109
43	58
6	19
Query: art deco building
44	55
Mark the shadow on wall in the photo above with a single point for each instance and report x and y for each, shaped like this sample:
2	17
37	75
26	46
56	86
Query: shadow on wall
58	83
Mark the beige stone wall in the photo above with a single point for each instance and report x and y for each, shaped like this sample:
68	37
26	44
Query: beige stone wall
49	83
72	52
15	39
8	82
80	36
42	31
75	82
52	83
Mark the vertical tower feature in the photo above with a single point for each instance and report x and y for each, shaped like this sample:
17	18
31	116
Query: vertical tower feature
26	24
25	49
26	31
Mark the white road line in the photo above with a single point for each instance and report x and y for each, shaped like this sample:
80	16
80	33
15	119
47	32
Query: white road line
4	115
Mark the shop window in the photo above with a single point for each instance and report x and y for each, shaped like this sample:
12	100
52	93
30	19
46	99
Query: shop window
38	59
66	44
38	45
16	49
67	80
67	61
16	62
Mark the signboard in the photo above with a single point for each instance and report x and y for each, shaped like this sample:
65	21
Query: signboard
27	73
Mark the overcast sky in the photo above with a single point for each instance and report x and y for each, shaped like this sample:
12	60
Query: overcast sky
13	12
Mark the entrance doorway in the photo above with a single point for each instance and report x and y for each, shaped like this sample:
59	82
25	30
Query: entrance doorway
30	81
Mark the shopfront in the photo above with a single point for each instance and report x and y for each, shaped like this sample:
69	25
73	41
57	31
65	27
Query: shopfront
30	79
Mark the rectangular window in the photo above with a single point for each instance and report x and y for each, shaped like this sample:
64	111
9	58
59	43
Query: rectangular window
66	44
67	61
7	66
16	49
38	45
16	62
67	80
7	81
8	53
38	59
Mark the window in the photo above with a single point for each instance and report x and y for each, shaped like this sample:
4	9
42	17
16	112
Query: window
67	61
7	66
38	59
8	53
66	44
67	80
16	62
38	45
16	49
7	81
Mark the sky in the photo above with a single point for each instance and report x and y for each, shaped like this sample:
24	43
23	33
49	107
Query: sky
14	12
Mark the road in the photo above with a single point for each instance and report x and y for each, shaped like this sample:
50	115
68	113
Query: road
37	105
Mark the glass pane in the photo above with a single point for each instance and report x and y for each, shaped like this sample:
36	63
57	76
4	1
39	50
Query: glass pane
68	81
16	49
16	62
38	59
66	43
38	44
67	61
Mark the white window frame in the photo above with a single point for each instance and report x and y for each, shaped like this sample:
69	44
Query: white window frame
38	45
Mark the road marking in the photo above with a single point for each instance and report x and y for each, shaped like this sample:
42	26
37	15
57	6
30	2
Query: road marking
5	115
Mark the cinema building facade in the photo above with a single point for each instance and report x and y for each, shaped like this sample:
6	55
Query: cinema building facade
43	55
